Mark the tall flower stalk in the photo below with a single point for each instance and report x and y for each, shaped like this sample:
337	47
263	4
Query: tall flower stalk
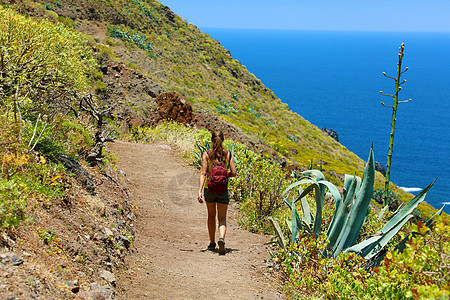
394	117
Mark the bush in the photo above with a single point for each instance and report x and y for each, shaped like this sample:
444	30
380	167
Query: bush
28	177
258	188
58	61
139	40
393	200
66	135
185	138
12	203
23	179
420	271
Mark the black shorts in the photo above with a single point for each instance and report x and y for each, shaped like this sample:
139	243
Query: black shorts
223	198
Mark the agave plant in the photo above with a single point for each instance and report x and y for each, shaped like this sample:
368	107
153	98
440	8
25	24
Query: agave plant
317	182
351	210
351	213
373	245
201	147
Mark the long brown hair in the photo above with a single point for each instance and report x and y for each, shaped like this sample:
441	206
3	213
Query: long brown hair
218	156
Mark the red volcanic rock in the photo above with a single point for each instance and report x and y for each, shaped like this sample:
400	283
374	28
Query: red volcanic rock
172	105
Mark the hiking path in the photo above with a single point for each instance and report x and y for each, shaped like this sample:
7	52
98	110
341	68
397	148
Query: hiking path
170	260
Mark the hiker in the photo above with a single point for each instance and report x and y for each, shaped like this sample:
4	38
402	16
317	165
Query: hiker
215	165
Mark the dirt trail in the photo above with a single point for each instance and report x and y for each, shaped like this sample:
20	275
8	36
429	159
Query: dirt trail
170	261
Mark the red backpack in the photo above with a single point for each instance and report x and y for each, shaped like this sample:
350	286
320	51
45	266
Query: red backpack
218	178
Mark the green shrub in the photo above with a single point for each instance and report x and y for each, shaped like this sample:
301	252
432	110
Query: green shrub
419	272
44	180
12	203
58	61
392	199
184	137
66	135
49	6
66	21
258	188
50	147
138	39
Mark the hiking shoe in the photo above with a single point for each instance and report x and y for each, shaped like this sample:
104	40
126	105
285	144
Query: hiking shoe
221	243
212	246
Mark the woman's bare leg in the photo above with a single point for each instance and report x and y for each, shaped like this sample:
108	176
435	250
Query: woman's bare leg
222	218
211	221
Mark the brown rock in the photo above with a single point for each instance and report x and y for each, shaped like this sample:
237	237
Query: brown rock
171	105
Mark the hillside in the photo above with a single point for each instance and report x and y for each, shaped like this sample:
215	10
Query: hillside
144	48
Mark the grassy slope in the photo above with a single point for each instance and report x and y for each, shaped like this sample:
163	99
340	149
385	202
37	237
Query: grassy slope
182	58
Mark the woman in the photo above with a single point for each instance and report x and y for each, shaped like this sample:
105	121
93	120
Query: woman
216	203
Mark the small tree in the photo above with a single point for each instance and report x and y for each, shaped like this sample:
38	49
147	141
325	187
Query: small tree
41	65
394	118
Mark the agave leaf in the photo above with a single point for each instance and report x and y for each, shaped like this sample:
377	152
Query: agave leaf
333	191
307	216
289	203
299	221
367	214
316	174
341	214
408	209
402	244
351	193
305	192
313	184
430	220
383	212
359	247
357	215
289	225
294	220
396	211
349	179
298	183
336	196
376	247
319	193
280	236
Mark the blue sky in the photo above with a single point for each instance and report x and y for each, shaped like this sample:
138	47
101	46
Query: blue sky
360	15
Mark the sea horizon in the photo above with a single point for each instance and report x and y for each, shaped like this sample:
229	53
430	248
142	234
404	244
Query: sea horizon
333	79
206	29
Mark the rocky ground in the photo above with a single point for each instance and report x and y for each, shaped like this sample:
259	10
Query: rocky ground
70	248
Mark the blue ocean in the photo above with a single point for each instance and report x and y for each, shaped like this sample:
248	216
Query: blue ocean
334	79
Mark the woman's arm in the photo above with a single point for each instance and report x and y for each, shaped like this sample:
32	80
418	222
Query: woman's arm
202	178
233	171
